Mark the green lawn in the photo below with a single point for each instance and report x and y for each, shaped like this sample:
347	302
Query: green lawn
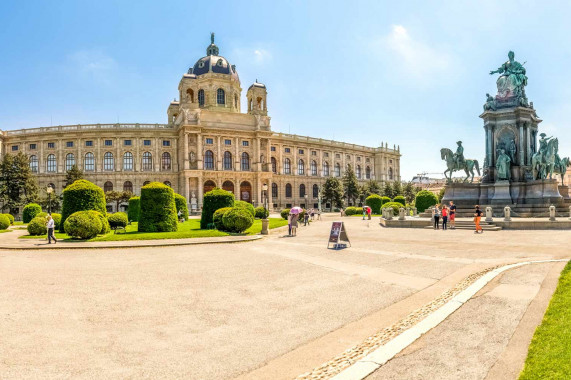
549	355
188	229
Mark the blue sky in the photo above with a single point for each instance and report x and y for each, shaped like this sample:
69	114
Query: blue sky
410	73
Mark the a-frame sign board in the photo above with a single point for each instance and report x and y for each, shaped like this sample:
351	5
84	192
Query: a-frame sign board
337	235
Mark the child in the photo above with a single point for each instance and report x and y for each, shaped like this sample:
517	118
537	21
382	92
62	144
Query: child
444	217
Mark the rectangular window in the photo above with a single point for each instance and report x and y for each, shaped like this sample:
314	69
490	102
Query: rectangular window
325	154
32	146
166	143
300	151
367	159
313	153
108	142
358	158
273	148
89	143
287	150
245	143
14	148
337	155
390	161
127	142
209	141
227	142
146	142
51	145
69	144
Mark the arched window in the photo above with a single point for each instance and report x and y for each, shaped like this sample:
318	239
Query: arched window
274	165
208	160
274	190
108	161
245	161
287	166
89	162
128	161
302	191
236	101
190	95
108	186
147	161
326	169
146	183
208	186
168	183
391	173
201	97
368	172
166	161
288	190
34	164
300	167
51	164
128	186
313	167
220	96
228	186
227	160
358	171
69	161
315	191
337	170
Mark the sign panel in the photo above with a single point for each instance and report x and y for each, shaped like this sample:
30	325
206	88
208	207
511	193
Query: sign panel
337	235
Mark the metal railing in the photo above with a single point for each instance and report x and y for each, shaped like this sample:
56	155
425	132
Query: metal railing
86	127
339	144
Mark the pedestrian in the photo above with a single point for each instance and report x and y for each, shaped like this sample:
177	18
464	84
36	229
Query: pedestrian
289	217
305	218
364	212
436	216
342	212
51	226
477	217
294	219
312	214
444	217
452	215
369	212
318	214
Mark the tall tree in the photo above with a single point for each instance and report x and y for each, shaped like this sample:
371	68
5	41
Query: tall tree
332	192
363	194
350	185
397	188
388	190
373	187
117	197
50	201
18	185
409	192
73	175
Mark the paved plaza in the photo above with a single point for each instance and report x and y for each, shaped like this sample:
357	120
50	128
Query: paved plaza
274	308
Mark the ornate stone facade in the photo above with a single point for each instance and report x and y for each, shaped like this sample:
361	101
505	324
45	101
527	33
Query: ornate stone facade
207	142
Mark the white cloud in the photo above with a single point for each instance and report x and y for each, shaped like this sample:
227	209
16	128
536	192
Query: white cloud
93	63
261	56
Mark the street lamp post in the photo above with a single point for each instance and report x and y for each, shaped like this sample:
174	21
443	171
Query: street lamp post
49	190
265	220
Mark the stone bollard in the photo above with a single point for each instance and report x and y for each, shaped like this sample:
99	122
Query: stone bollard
489	214
402	214
383	214
389	212
507	214
552	213
265	226
415	211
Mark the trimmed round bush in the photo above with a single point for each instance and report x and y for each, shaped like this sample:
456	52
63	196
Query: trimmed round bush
11	217
212	201
4	222
395	206
353	211
158	209
82	195
284	213
400	199
217	217
375	202
57	220
261	213
424	199
246	205
119	219
134	209
37	226
30	211
83	224
237	220
181	205
385	199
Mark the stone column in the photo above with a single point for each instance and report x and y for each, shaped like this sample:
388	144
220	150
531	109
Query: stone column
236	155
280	169
520	148
256	160
491	159
157	161
137	158
199	157
186	153
528	145
41	159
219	154
200	191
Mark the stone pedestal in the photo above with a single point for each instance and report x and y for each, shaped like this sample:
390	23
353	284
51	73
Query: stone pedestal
265	226
501	194
564	191
402	214
489	214
552	213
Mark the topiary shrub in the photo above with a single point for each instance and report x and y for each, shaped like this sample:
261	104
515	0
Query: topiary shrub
284	213
30	211
11	217
261	213
37	226
237	219
400	199
212	201
385	199
134	209
119	219
57	220
83	224
395	206
181	205
82	195
217	217
246	205
375	202
424	199
158	209
353	211
4	222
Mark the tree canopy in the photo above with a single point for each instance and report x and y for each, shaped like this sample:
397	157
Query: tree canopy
18	185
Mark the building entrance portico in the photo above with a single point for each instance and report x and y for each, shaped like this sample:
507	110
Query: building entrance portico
246	192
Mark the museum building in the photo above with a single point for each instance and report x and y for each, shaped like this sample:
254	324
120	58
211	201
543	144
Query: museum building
208	142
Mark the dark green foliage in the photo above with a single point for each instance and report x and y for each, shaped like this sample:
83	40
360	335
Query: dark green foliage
57	220
119	219
332	192
350	184
409	192
397	188
245	205
424	199
261	212
73	175
400	199
373	187
82	195
37	226
11	217
181	205
395	206
212	201
158	209
134	209
83	224
441	194
30	211
385	199
51	201
237	220
217	217
117	197
18	185
375	202
284	213
353	211
4	222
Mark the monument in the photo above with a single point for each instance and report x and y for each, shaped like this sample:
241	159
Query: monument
515	172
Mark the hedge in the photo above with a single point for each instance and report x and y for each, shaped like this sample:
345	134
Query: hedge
119	219
181	205
217	217
385	199
261	213
284	213
37	226
158	209
375	202
424	199
353	211
55	217
30	211
395	206
11	217
4	222
83	224
237	219
82	195
246	205
212	201
400	199
134	209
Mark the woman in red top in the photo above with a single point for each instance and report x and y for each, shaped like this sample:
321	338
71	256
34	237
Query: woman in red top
444	217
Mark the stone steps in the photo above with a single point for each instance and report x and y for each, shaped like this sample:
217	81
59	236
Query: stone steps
470	225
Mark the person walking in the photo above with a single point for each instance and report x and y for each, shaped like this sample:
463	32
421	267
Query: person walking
51	226
444	217
436	216
294	219
369	213
289	218
305	218
364	212
318	214
477	217
452	215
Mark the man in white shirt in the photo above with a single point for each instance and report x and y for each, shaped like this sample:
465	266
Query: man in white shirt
51	226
